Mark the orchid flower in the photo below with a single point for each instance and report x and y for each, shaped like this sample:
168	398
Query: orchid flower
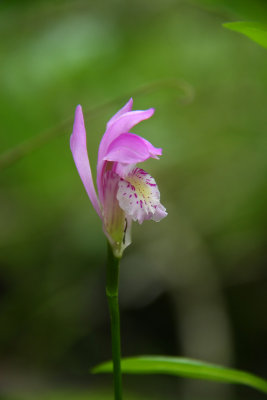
126	193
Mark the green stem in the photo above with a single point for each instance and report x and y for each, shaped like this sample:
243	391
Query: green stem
112	285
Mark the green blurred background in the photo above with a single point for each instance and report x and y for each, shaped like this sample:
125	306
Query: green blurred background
193	285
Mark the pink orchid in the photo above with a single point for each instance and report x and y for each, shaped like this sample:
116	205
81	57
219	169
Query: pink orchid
125	192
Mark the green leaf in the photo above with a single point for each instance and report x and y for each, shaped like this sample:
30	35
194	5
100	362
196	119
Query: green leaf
184	367
254	30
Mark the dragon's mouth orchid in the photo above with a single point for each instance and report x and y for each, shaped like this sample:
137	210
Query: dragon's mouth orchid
125	193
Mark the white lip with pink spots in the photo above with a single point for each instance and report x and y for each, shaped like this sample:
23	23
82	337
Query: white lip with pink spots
138	195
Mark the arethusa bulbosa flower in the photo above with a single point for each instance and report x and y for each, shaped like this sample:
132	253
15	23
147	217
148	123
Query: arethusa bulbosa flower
126	193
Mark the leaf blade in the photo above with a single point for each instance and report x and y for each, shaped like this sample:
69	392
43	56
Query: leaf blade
254	30
185	367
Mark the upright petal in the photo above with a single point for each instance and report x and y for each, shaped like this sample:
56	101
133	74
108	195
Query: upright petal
121	125
128	107
80	156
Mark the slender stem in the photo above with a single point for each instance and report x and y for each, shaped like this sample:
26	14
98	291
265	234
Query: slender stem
112	285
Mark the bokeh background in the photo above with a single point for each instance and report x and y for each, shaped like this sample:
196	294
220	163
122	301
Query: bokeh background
193	285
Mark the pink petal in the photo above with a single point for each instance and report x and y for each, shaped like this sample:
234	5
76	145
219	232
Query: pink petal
154	151
121	125
128	107
129	148
80	156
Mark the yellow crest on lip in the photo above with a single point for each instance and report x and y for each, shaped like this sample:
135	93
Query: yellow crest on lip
139	197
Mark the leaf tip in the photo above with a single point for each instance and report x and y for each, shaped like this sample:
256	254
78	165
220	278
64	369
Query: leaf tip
102	368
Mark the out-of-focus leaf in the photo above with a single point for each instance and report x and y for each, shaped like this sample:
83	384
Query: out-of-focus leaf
185	367
254	30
